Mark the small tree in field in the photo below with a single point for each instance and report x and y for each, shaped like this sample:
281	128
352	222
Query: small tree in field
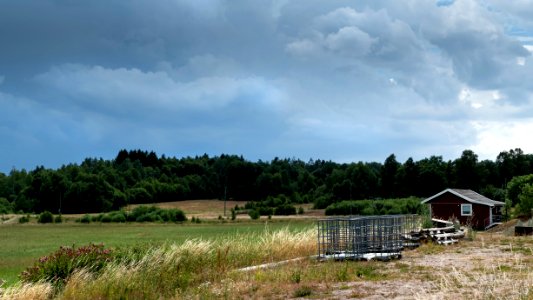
526	200
254	214
46	217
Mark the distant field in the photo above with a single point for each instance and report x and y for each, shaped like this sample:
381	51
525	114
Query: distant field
22	244
211	209
199	208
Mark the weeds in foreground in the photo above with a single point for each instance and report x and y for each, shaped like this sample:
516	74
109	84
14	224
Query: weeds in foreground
57	267
303	291
498	282
431	248
24	291
195	266
209	269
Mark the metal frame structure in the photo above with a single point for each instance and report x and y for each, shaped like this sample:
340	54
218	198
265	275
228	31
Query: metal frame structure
366	237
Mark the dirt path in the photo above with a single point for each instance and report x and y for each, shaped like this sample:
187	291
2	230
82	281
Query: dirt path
9	219
494	266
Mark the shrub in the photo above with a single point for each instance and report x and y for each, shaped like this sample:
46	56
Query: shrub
105	218
155	214
139	214
177	215
254	214
97	218
46	217
85	219
58	266
139	211
296	276
526	200
377	207
58	219
265	211
5	206
322	201
285	210
149	217
300	210
233	214
279	205
118	217
427	222
24	219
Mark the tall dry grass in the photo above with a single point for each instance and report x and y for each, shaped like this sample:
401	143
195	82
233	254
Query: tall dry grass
36	291
190	269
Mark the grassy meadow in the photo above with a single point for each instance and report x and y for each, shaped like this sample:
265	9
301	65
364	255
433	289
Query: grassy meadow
23	244
209	260
491	266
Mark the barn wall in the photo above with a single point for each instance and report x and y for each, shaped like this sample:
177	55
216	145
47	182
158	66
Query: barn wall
448	206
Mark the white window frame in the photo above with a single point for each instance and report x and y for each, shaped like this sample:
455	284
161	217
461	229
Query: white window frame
462	209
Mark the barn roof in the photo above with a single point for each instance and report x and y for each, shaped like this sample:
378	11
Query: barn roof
469	196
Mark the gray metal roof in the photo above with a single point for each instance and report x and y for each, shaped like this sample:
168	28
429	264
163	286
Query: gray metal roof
469	196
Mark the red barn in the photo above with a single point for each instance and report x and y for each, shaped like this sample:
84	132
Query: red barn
467	206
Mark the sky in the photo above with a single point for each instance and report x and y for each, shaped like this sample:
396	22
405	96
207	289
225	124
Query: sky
308	79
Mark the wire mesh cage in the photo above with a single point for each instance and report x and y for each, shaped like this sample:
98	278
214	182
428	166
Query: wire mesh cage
366	237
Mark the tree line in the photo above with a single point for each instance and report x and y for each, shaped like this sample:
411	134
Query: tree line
137	176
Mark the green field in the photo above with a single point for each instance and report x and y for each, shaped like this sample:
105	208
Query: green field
21	245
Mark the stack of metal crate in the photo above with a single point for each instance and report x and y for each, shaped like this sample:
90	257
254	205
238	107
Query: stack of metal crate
366	237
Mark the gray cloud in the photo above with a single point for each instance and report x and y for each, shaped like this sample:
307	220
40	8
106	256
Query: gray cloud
335	79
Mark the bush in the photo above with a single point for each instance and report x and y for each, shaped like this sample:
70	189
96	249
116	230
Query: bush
300	210
85	219
177	215
140	211
285	210
265	211
377	207
45	217
149	217
5	206
105	218
58	219
118	217
322	201
97	218
525	206
58	266
254	214
427	222
138	214
279	205
24	219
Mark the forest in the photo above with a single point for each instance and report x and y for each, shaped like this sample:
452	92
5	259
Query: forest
137	176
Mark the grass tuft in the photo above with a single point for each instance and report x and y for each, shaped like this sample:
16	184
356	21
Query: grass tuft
36	291
181	270
303	291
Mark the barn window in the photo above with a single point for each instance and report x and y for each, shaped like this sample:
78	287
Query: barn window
466	209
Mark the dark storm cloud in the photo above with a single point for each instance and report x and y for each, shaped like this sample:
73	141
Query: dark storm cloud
336	79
